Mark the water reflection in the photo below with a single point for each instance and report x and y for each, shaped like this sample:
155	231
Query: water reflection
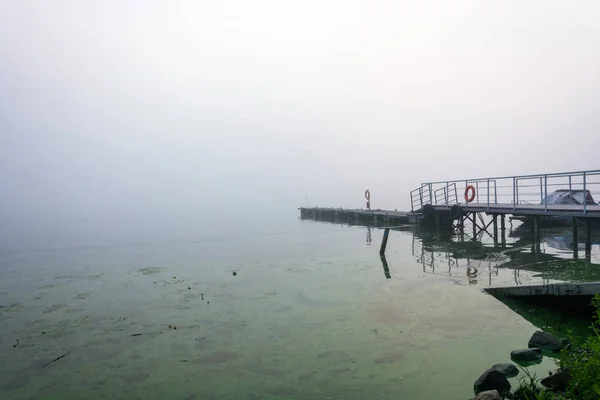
386	270
479	260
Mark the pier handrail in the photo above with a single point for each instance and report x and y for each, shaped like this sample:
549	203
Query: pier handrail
517	189
553	174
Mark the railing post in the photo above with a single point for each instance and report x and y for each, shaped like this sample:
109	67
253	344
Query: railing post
477	190
517	187
514	193
466	184
488	193
546	194
455	193
421	195
584	194
430	189
541	191
495	193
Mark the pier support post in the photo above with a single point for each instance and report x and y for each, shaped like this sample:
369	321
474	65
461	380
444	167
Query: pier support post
474	225
588	238
461	227
495	227
536	228
575	239
503	229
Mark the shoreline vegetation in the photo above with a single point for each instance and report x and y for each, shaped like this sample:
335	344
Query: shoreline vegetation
577	376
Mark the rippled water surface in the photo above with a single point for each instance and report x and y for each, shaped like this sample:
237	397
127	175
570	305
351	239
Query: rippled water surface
307	314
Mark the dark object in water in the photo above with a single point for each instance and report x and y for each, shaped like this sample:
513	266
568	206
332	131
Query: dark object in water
234	273
137	334
56	359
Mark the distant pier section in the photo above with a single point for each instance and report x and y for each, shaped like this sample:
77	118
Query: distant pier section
382	218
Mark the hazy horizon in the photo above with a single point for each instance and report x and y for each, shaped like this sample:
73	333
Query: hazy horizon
131	112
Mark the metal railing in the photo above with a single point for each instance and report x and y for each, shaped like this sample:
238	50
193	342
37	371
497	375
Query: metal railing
583	188
446	195
419	197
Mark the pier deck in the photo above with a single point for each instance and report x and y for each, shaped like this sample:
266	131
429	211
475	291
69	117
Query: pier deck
556	210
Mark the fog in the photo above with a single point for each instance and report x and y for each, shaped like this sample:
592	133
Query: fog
155	115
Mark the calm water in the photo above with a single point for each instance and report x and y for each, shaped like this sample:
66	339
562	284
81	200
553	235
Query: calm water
309	314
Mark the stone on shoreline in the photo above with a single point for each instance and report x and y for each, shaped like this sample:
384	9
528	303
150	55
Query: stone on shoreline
492	380
509	370
488	395
558	380
527	355
545	341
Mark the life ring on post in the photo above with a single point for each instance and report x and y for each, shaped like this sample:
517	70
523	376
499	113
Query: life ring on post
470	198
367	194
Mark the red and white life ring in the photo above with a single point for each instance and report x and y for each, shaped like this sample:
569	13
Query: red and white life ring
471	197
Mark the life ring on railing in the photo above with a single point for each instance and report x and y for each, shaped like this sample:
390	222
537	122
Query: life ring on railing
471	189
367	194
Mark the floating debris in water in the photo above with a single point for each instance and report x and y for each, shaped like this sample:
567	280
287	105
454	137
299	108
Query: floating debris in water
169	326
234	273
174	327
56	359
174	277
16	344
189	288
137	334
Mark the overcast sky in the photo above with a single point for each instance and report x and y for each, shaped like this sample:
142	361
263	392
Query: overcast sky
138	109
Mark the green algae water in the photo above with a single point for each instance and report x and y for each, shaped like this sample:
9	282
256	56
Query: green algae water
309	313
